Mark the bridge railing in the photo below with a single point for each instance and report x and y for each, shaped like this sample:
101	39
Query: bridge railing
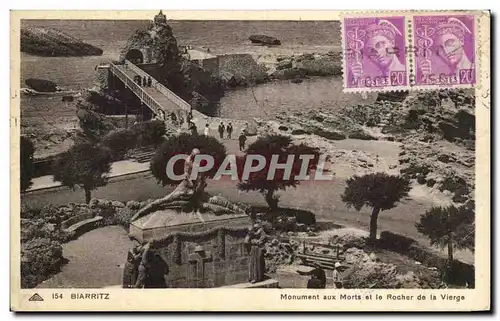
179	102
139	91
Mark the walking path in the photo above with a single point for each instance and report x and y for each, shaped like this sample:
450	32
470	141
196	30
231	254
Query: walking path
117	169
126	167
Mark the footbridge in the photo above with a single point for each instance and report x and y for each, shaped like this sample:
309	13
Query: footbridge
163	102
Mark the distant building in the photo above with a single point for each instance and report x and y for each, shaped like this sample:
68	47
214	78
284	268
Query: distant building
160	18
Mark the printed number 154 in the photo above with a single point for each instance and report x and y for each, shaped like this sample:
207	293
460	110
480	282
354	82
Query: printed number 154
57	296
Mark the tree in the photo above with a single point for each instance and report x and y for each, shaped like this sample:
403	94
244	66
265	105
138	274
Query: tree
379	191
450	227
27	167
184	144
282	146
150	132
85	165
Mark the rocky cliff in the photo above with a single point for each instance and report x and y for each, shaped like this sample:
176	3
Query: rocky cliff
50	42
435	131
189	81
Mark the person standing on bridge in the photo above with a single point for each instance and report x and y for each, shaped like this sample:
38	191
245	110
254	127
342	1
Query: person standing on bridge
229	130
150	81
221	130
144	81
206	132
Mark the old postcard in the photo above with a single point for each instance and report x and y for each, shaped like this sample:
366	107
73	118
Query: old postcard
250	161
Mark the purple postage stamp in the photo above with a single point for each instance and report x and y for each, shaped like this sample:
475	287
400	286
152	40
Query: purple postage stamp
375	53
444	49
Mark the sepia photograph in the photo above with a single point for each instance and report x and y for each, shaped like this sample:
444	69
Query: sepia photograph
169	153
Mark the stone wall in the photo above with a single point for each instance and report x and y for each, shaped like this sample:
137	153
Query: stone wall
211	65
223	261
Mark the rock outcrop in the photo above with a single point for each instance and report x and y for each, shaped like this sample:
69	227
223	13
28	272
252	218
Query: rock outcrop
158	44
301	66
366	271
264	40
41	85
48	42
241	70
436	130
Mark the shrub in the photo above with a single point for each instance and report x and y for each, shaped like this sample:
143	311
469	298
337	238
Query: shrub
421	179
123	216
40	258
415	170
119	142
431	182
453	183
149	133
397	242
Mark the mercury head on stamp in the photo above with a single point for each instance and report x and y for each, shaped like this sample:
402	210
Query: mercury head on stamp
376	52
445	50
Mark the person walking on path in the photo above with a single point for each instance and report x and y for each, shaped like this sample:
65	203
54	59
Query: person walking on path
221	130
150	81
229	130
206	132
144	81
242	140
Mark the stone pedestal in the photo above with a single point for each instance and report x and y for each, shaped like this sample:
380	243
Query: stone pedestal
200	252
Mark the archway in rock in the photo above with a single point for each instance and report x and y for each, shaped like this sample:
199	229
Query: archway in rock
135	56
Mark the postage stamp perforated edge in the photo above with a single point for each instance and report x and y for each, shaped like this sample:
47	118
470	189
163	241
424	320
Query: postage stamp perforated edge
372	14
131	301
410	56
476	39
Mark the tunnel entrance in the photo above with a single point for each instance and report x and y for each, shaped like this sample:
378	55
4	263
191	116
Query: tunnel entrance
135	56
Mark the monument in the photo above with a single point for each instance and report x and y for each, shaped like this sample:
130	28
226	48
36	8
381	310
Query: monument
201	238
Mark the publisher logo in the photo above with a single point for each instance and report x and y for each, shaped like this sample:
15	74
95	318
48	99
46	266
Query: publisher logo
36	297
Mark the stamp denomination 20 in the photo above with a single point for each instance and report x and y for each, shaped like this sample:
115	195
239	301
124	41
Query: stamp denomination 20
444	50
375	57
